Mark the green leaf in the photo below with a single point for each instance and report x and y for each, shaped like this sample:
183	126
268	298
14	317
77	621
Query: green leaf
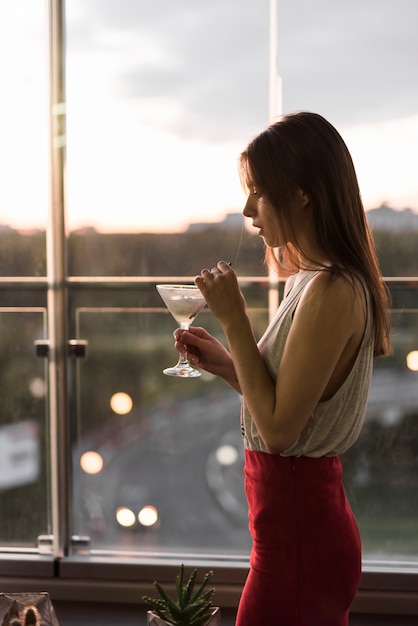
201	616
179	585
162	592
189	608
190	586
202	586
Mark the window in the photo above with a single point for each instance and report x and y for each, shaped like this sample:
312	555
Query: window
160	99
24	422
154	131
336	62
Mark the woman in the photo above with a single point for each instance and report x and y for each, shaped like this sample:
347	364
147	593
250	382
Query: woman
305	384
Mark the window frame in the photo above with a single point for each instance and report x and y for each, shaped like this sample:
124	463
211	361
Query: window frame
385	588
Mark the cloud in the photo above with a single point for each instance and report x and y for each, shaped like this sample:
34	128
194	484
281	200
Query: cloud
354	62
212	57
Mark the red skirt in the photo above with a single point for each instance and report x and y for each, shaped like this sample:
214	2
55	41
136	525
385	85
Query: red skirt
306	553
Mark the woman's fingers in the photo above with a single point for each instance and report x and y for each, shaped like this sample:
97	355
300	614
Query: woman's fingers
181	342
189	343
194	332
207	275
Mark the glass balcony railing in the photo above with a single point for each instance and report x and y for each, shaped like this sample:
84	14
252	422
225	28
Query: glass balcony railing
156	461
24	420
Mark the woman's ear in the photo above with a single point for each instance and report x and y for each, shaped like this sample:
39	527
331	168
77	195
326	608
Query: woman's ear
302	197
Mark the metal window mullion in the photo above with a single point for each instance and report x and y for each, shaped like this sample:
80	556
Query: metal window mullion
275	110
57	295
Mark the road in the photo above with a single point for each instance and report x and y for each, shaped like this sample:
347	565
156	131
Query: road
171	462
173	466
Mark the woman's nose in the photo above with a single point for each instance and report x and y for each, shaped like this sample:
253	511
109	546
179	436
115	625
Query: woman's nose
249	208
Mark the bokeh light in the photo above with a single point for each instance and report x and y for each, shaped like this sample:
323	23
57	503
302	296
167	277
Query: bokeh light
91	462
148	516
37	387
125	517
226	454
412	360
121	403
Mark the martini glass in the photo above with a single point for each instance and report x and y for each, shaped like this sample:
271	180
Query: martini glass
184	303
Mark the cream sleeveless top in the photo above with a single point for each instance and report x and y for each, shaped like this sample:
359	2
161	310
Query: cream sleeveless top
335	424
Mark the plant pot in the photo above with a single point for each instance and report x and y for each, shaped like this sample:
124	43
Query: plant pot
38	602
214	620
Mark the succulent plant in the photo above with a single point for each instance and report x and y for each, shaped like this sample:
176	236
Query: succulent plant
190	607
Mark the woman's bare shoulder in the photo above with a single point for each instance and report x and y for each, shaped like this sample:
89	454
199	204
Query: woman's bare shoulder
341	292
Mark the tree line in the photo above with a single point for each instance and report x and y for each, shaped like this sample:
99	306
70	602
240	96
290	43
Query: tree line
91	253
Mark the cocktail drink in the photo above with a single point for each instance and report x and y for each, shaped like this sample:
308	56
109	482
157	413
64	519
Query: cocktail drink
184	303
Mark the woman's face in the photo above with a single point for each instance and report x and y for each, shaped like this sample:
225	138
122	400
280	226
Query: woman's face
264	217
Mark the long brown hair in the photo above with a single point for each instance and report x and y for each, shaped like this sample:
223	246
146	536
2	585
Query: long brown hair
304	151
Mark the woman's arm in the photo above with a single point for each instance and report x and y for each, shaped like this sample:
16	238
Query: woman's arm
320	350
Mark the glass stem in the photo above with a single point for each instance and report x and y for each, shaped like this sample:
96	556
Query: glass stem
183	356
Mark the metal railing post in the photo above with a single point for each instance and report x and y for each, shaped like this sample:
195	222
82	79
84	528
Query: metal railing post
275	110
57	292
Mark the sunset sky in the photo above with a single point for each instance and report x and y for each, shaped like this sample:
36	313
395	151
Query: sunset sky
162	97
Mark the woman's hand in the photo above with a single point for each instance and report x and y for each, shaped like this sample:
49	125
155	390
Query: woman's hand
206	352
222	293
